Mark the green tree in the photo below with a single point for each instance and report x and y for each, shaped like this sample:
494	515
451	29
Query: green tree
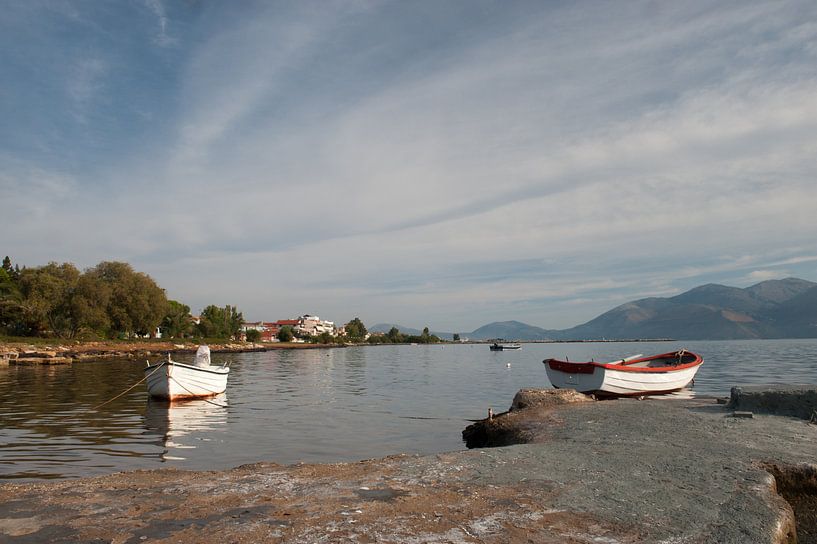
223	322
136	304
11	309
57	299
13	272
46	293
253	335
456	337
286	334
88	306
395	336
177	322
355	329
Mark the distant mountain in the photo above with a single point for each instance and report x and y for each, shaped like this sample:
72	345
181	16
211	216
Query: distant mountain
509	330
797	316
771	309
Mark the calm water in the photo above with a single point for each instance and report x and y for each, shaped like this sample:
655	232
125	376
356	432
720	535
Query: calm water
314	405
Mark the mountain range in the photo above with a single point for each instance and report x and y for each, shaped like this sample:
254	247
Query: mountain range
770	309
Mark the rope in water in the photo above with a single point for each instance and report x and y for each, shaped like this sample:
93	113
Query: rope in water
129	388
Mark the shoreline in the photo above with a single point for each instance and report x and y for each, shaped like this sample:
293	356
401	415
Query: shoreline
49	353
45	351
575	470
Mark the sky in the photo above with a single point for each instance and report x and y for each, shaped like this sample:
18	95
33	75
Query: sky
442	164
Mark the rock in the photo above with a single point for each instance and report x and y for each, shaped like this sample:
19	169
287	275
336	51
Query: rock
41	361
546	398
745	415
520	424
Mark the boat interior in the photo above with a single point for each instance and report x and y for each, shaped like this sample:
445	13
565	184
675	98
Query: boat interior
675	359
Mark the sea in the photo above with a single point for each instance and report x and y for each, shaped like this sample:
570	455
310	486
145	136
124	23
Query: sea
316	405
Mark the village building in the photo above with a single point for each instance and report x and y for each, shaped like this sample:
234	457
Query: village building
306	325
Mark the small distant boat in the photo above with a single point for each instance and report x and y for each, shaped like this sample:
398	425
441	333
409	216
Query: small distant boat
496	346
171	380
632	376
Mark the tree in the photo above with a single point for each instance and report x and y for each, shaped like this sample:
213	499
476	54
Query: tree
286	334
324	338
11	309
88	306
355	329
253	335
456	337
57	299
177	322
136	304
395	336
13	272
46	292
220	322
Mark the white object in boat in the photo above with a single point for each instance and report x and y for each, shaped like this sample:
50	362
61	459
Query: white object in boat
171	380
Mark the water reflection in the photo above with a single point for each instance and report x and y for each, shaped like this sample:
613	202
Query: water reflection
185	425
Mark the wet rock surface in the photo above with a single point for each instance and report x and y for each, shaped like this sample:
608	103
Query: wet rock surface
620	471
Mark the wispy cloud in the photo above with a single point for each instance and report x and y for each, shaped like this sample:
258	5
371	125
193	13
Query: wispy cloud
85	81
397	162
162	38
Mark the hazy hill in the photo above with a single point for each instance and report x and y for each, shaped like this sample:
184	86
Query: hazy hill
510	330
771	309
797	316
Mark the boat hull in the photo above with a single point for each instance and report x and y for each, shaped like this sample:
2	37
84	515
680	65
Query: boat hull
621	379
172	381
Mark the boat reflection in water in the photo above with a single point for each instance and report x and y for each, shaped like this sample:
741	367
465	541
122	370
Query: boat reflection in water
187	424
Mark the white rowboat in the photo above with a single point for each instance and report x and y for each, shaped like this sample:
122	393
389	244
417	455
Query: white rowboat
170	380
632	376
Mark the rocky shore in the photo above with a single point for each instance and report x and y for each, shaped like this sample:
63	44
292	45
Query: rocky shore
66	353
574	470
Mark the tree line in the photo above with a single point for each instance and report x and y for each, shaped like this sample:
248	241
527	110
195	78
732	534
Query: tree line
112	300
109	300
394	336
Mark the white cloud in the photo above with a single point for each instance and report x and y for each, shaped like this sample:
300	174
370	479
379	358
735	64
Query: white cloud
756	276
631	152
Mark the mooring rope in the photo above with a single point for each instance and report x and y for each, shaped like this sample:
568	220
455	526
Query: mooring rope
129	388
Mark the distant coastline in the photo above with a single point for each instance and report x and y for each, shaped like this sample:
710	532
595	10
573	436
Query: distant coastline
54	351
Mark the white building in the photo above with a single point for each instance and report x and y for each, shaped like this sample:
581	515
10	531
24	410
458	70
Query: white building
313	325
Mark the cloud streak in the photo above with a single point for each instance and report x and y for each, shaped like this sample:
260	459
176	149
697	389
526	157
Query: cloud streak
451	165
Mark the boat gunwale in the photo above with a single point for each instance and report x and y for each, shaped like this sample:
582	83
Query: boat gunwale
588	366
221	371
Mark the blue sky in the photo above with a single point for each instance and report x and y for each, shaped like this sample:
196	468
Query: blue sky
429	163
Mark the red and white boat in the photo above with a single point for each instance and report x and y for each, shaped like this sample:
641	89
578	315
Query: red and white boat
632	376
